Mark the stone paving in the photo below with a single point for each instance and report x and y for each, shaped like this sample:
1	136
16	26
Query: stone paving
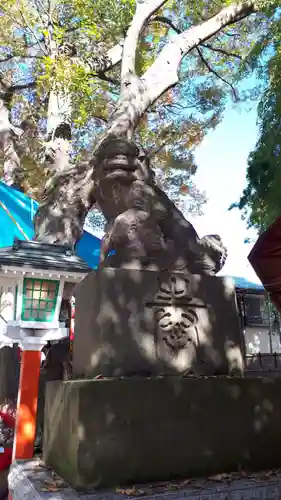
31	480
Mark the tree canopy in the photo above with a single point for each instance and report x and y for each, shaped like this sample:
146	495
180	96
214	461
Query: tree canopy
94	58
261	201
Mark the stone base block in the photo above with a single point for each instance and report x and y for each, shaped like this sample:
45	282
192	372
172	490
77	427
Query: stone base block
136	322
107	433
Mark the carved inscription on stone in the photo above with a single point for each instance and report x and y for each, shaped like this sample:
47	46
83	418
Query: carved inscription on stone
175	324
174	313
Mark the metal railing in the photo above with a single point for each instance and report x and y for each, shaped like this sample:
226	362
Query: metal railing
263	362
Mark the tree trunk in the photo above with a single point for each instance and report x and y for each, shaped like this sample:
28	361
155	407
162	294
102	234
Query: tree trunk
13	176
13	173
57	147
65	203
66	198
69	193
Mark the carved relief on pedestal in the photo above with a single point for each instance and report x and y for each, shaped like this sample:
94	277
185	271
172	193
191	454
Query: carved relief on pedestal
176	325
175	313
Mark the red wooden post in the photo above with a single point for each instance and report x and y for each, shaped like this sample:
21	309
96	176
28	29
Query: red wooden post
25	430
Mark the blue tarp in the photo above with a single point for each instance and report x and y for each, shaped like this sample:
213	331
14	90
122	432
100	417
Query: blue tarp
22	208
245	284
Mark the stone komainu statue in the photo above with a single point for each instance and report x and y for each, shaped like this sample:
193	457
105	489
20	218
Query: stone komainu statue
144	227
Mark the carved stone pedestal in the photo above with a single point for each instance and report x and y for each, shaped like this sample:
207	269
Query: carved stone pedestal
135	322
113	433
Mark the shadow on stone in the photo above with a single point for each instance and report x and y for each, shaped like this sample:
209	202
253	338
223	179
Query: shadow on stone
103	433
136	322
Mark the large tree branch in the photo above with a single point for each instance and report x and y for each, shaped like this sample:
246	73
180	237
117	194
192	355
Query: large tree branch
46	11
99	65
231	34
113	56
163	73
221	51
167	21
144	10
101	118
71	29
8	137
102	76
7	91
22	86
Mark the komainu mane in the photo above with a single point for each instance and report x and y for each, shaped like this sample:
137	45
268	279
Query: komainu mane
144	227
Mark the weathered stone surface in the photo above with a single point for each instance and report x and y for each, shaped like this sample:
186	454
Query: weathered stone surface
105	433
132	322
144	227
29	479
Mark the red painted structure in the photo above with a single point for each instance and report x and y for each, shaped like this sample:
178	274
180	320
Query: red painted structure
265	258
6	456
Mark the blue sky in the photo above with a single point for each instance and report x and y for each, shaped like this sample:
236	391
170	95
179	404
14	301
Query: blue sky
222	163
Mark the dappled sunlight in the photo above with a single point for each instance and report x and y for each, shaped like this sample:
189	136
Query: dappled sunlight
27	431
228	284
234	356
235	391
127	322
81	432
136	278
27	422
206	326
109	417
147	345
182	360
157	342
108	312
262	414
260	420
97	356
267	405
125	428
